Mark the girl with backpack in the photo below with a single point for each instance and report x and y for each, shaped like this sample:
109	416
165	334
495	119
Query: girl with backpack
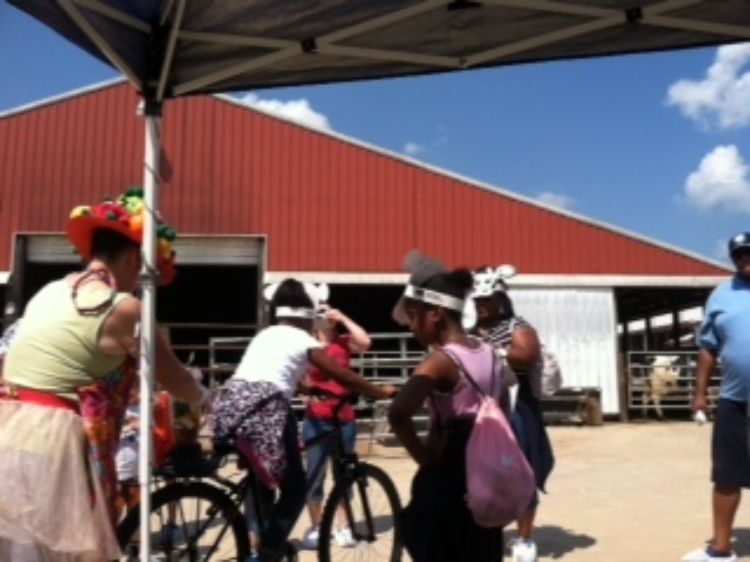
514	338
437	525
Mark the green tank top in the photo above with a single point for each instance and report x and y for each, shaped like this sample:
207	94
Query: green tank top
55	349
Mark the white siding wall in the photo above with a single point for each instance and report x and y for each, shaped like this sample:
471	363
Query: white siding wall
579	326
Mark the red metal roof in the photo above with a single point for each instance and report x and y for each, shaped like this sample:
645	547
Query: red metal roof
326	203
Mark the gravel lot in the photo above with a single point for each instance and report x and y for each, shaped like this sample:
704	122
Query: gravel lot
636	492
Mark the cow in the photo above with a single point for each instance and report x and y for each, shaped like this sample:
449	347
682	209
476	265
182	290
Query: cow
662	379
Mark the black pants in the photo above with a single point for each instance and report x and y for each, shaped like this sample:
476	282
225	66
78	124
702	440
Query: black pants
291	500
437	526
729	445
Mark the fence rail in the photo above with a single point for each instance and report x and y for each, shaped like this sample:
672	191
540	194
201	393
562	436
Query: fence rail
392	357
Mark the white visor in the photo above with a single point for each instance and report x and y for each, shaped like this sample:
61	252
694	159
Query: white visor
427	296
296	312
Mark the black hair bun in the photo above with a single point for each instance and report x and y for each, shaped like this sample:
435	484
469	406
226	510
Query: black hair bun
462	278
421	267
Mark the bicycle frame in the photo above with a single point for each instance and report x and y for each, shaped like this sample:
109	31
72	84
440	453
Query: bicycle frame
344	468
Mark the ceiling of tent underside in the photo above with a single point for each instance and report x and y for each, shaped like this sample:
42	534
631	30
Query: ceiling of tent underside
182	47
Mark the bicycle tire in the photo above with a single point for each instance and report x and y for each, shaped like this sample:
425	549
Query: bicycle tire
219	505
363	479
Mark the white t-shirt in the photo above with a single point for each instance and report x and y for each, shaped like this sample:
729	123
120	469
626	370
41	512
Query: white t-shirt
278	354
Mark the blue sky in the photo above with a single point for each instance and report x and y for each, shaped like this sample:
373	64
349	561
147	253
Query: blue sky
657	144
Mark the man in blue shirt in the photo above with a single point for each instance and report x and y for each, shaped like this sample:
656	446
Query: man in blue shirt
725	336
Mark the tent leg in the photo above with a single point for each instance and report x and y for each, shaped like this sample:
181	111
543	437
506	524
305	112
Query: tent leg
148	284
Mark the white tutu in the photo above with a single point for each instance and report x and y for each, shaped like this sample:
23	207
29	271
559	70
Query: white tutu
51	505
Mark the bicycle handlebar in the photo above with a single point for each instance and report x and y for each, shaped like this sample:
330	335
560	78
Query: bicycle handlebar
349	397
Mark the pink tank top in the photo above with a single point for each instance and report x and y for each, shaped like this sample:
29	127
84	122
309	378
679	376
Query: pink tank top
463	400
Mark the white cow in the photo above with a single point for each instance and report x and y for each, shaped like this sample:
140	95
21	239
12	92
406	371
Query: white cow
661	380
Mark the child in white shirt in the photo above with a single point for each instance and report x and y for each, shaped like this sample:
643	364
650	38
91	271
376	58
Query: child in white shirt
254	405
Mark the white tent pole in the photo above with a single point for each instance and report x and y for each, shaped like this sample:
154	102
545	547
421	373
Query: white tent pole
148	318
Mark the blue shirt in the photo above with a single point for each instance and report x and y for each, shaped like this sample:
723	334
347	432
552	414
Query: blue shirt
726	331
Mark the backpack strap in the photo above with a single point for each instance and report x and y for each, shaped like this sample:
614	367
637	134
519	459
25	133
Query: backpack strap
462	369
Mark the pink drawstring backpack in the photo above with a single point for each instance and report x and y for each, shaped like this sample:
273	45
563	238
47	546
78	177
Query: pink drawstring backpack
499	481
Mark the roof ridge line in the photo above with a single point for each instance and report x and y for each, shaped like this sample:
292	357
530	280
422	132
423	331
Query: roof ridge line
13	111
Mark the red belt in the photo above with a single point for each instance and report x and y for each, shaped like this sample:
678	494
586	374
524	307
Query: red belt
40	398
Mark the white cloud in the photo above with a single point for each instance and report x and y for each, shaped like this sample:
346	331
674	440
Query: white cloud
414	149
722	180
722	99
555	199
295	110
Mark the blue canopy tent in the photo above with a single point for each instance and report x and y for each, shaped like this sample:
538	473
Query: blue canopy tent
172	48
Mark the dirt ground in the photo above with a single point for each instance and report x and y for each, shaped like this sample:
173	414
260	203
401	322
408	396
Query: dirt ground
619	493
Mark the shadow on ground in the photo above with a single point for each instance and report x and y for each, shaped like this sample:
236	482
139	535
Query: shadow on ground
741	543
555	542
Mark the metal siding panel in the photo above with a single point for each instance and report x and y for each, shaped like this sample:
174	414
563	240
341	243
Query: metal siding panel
301	194
420	216
398	205
281	226
559	241
200	149
350	197
7	161
235	170
259	175
493	221
17	178
359	197
240	217
214	206
29	180
172	155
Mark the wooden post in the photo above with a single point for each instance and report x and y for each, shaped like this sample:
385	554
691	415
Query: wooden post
676	328
623	384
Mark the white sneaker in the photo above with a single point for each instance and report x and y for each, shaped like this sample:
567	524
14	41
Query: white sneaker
700	555
523	551
310	540
344	537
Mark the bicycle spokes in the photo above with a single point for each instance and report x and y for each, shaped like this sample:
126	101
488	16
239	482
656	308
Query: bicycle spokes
359	519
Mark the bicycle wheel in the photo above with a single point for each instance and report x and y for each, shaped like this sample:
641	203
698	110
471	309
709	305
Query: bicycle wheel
191	522
366	503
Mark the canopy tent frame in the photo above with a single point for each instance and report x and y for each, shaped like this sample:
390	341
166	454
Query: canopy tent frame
151	69
330	43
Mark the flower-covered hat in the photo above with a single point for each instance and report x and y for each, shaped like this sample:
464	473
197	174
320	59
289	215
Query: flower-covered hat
124	215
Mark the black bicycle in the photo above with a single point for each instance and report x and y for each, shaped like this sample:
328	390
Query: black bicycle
197	515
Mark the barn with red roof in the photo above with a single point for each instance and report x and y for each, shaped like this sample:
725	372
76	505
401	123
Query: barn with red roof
258	198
